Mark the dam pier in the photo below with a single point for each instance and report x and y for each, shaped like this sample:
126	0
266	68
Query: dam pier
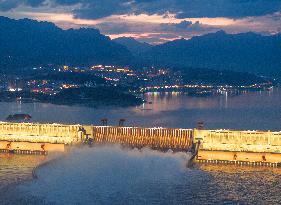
260	148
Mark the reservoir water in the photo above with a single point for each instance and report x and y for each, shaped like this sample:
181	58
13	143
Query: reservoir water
111	175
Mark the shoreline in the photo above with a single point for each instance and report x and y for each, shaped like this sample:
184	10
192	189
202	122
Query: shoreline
93	105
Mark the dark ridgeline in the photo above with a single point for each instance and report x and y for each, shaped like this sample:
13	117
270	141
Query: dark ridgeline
245	52
225	77
98	96
68	77
86	96
133	45
27	43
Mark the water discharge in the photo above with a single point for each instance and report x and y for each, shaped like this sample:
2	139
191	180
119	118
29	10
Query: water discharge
112	175
104	174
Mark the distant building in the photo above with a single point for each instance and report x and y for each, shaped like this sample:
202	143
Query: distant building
15	85
65	68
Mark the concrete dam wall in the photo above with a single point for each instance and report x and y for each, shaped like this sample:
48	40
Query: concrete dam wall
37	133
226	146
13	135
35	138
157	138
231	146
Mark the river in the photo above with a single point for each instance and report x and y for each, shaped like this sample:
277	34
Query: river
111	175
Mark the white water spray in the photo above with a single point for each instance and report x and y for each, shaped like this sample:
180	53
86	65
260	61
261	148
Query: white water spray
99	175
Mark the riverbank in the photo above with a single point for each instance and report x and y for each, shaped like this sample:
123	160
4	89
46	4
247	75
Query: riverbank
91	97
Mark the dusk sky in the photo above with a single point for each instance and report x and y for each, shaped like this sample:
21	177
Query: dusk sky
153	21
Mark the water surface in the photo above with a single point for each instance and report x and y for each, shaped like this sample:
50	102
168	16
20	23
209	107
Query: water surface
110	175
253	110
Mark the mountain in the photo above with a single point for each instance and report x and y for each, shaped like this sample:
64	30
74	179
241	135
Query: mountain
133	45
245	52
27	43
223	77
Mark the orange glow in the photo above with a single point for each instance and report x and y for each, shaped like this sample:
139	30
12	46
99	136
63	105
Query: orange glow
151	24
63	19
142	18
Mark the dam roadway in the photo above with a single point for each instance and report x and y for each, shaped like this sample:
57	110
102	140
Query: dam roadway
261	148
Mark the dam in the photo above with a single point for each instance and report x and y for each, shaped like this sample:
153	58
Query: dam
261	148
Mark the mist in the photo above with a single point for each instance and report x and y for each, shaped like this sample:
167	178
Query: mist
110	175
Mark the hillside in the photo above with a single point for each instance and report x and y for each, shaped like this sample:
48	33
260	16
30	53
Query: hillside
246	52
27	43
133	45
30	43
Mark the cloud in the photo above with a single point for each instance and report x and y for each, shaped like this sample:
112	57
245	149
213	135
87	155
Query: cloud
153	20
155	32
95	9
187	26
117	27
225	8
6	5
276	17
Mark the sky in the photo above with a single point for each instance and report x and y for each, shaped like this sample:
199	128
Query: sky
153	21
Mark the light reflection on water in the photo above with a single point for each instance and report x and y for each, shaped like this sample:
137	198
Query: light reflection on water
14	168
209	184
110	175
250	185
253	110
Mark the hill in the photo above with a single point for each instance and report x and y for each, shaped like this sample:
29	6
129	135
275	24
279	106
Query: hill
31	43
27	43
245	52
133	45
